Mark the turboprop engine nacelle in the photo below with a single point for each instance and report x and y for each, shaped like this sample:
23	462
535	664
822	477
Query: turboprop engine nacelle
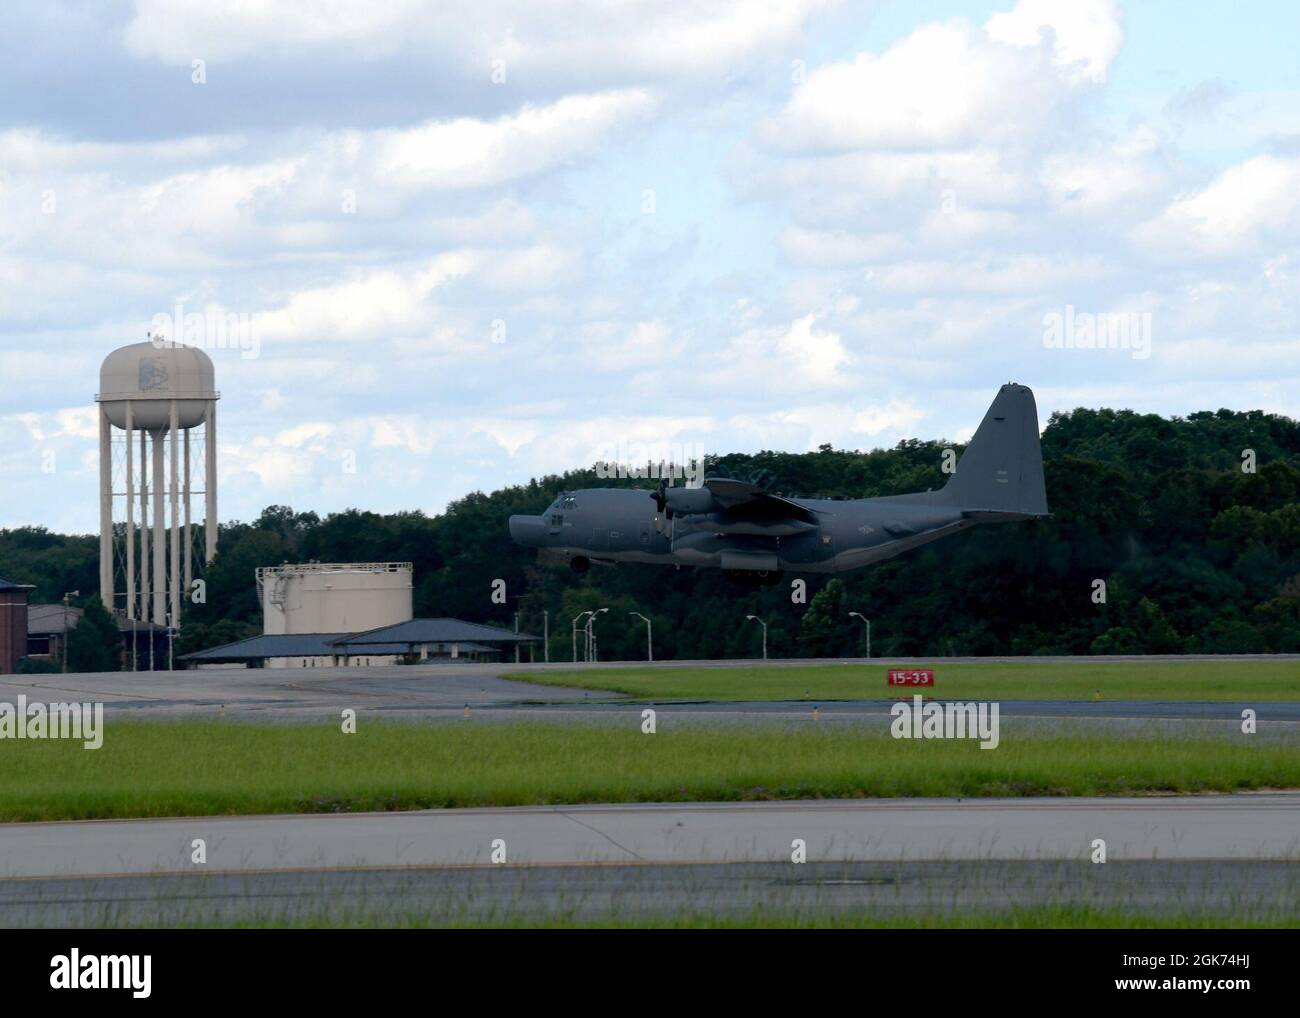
689	501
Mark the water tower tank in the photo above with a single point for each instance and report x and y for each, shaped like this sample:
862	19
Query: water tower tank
150	376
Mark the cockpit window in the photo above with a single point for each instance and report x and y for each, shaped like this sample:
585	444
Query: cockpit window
568	502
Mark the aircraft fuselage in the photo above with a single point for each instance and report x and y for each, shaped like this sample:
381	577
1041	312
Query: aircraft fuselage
624	525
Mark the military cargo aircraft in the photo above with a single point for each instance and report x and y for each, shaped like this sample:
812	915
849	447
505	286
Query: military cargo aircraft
753	534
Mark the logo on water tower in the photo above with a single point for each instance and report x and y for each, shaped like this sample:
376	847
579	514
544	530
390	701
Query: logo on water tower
153	373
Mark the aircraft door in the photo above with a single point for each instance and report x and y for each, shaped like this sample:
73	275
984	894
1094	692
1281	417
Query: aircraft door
826	538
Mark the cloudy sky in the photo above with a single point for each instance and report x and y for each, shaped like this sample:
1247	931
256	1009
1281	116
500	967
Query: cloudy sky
472	244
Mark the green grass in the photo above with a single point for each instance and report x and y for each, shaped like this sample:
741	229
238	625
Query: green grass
155	769
1236	681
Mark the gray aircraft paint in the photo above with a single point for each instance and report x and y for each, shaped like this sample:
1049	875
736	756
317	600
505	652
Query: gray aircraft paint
739	527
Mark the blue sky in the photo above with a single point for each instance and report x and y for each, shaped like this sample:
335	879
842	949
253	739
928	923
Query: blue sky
480	246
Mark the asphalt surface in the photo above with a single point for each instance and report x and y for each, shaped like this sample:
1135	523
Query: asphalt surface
443	691
785	892
1246	826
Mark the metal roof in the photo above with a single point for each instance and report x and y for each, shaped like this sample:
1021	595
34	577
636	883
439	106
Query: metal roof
52	619
43	619
11	585
418	631
284	645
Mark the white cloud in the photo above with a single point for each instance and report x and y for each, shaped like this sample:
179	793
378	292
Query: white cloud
1241	211
70	422
988	273
307	434
608	346
225	201
949	84
837	247
633	38
839	424
468	152
1085	34
864	255
1108	178
369	304
800	353
815	354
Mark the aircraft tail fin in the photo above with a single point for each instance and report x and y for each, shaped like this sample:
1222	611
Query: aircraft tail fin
1000	475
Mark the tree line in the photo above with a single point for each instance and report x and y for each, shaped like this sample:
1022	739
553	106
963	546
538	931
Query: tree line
1191	523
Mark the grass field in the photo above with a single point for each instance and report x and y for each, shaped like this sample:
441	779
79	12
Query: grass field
155	769
1236	681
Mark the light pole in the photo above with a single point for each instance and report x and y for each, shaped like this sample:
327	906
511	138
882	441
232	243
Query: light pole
755	618
66	631
859	615
649	638
575	635
171	644
546	634
591	633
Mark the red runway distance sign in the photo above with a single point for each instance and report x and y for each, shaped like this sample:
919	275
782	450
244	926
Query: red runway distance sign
911	677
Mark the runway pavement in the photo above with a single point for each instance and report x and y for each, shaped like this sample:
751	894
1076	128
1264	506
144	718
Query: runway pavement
1246	826
444	690
1238	856
861	893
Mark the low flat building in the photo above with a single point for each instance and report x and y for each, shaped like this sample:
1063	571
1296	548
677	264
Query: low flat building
434	639
405	643
48	626
291	650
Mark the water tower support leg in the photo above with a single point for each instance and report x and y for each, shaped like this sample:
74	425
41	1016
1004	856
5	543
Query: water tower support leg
146	608
130	513
175	586
187	543
105	510
210	482
159	531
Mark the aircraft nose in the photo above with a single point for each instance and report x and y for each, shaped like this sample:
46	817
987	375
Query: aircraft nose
530	531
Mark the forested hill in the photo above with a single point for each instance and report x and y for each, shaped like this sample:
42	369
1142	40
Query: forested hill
1198	556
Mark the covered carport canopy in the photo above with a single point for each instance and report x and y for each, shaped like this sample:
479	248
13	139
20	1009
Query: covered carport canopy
419	635
286	645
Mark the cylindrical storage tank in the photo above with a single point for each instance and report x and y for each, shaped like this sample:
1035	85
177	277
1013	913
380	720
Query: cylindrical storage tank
334	597
151	376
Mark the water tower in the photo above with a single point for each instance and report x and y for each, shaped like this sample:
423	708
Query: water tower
152	397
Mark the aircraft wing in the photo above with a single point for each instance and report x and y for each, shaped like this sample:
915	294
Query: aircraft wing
744	500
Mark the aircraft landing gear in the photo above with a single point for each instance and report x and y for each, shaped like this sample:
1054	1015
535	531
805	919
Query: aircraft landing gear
754	577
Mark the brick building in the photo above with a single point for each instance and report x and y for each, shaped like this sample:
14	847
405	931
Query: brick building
13	624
